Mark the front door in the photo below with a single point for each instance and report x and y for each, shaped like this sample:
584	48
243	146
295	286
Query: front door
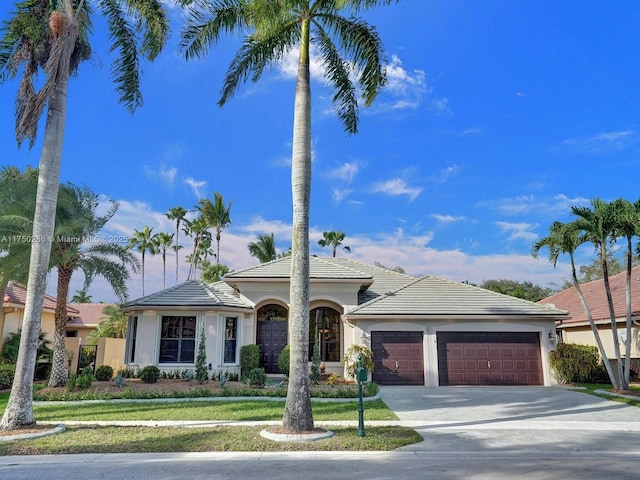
271	335
272	338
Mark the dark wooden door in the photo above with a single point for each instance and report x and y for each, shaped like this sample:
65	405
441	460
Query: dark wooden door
489	358
398	358
272	337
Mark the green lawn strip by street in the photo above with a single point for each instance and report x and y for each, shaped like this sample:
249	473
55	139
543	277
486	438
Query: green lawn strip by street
233	410
214	439
592	388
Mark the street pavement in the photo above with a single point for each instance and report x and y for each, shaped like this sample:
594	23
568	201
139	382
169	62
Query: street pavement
476	433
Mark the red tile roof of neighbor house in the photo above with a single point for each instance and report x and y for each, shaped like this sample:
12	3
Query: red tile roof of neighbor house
87	315
16	294
596	298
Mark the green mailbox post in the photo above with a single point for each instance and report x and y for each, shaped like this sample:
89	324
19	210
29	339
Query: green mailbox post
361	376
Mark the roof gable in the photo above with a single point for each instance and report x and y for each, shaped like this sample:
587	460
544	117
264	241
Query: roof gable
434	296
596	298
320	268
87	314
16	294
192	293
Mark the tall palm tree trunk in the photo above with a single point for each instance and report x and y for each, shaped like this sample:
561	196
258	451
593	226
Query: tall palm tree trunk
19	411
59	372
627	344
614	326
298	415
592	324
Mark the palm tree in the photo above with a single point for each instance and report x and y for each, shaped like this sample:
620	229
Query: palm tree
217	215
213	273
597	224
197	228
264	249
177	214
627	224
113	324
52	35
274	28
75	223
163	242
333	239
566	238
143	241
81	297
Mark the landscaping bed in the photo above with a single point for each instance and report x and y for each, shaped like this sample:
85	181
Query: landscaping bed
179	388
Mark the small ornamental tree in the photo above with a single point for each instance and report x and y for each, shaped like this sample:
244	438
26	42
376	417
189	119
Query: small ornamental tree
202	375
314	375
351	359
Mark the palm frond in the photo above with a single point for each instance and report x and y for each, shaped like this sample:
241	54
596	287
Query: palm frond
255	55
152	20
337	72
207	21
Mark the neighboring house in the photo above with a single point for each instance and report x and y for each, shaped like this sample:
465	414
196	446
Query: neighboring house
12	315
422	331
84	318
576	329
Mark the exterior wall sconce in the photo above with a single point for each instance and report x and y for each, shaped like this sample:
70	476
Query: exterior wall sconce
210	367
551	337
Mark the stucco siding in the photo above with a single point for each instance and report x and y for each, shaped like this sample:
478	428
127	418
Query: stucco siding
584	336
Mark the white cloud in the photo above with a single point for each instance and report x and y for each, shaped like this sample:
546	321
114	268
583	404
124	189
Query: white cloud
345	172
444	174
518	231
396	187
340	195
601	142
441	106
409	251
470	131
196	186
447	219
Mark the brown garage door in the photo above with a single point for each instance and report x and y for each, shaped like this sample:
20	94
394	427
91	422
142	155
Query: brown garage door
398	358
489	358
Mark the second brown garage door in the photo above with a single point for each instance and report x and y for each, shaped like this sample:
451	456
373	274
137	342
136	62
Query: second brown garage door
398	358
489	358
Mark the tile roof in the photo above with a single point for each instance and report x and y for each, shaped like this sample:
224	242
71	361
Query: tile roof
88	314
433	296
595	296
192	293
16	294
320	268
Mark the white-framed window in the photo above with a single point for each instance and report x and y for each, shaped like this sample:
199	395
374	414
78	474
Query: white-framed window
177	339
230	347
132	335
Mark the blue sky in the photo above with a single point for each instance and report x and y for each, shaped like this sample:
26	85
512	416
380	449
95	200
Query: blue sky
497	117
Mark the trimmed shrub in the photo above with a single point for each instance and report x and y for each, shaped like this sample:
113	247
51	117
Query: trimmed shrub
283	360
573	363
257	377
104	373
249	359
149	374
7	373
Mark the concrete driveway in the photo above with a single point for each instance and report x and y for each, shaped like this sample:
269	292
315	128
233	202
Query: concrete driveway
514	418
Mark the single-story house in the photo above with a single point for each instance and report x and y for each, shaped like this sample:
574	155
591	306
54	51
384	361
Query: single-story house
576	328
422	331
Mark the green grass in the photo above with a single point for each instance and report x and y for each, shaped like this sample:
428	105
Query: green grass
591	388
112	439
236	410
215	439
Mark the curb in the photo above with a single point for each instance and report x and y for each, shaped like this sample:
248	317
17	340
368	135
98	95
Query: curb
57	429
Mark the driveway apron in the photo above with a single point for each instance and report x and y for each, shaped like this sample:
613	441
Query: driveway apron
514	418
